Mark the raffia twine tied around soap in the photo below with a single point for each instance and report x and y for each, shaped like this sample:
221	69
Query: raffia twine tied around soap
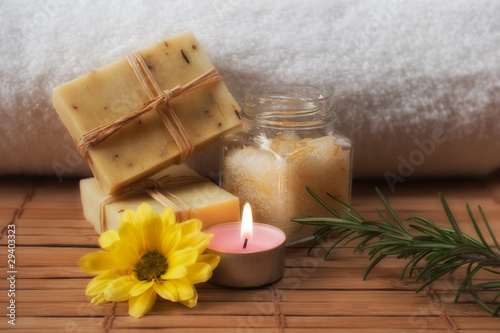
159	100
156	189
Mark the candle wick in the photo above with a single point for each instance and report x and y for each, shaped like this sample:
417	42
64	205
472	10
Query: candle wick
245	243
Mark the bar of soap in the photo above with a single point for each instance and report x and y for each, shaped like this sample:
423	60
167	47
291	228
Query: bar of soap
145	147
207	201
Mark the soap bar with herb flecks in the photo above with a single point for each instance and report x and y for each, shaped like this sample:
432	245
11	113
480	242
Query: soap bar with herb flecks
207	201
144	146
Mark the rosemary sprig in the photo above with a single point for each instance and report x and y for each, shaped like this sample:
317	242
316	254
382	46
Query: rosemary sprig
431	251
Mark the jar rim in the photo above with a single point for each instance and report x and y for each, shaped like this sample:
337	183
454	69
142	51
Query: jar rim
292	91
288	105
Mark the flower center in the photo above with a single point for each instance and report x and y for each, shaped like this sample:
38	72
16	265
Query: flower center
151	265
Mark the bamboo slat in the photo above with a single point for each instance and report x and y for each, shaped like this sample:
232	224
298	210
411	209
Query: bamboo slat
324	295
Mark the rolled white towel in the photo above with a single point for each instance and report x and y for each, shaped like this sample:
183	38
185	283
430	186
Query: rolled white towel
417	83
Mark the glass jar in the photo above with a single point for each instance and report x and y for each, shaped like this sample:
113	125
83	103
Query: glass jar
287	142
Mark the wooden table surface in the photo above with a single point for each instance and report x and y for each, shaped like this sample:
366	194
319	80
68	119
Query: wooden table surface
329	296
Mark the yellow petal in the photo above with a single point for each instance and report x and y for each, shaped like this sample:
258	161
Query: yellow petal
211	259
190	303
199	272
184	288
98	299
140	287
97	284
175	272
124	254
107	238
131	234
119	289
183	257
166	290
129	216
198	240
143	209
98	262
152	229
170	239
140	305
190	226
168	216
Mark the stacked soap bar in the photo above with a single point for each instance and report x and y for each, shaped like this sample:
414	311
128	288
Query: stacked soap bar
206	201
144	146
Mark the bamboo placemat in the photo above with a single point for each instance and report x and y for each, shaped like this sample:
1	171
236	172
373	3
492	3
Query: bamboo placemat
329	296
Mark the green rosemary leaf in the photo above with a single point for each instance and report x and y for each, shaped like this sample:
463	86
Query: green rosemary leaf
433	261
452	220
372	266
438	273
467	253
390	210
497	309
385	243
345	204
383	217
476	227
345	234
319	235
478	299
422	220
376	250
426	231
382	229
322	203
340	239
491	271
488	285
446	233
366	240
317	220
432	253
488	227
466	281
402	239
413	264
433	245
351	215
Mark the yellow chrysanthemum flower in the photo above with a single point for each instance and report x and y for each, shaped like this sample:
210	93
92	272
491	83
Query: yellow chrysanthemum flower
149	254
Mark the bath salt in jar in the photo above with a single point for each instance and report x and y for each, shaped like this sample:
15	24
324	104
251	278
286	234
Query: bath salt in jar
287	142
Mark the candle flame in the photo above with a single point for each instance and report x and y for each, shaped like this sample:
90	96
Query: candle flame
246	222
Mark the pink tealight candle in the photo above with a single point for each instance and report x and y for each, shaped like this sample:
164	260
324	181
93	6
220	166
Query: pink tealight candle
251	254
